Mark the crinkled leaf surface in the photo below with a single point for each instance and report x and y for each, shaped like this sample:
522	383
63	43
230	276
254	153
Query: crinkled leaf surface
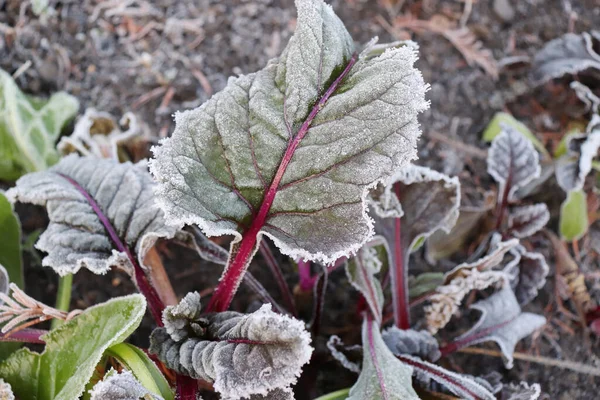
121	386
527	273
494	128
568	54
383	376
573	222
72	351
503	322
242	354
291	150
29	127
10	242
411	342
361	272
524	221
460	385
521	391
512	161
98	209
346	355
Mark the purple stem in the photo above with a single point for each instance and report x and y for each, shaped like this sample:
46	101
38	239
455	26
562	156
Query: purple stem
466	341
399	276
154	301
307	281
234	272
186	388
374	359
319	300
24	336
288	298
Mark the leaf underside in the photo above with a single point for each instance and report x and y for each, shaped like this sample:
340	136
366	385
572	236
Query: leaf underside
291	150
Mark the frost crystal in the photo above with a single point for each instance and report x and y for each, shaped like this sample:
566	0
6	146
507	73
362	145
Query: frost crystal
121	386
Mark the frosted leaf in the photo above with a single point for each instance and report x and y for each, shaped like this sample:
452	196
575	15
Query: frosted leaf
568	54
464	386
196	240
121	386
585	94
361	272
411	342
383	376
292	150
526	220
521	391
527	273
429	201
184	319
98	134
512	161
85	195
277	394
6	391
343	353
503	322
242	354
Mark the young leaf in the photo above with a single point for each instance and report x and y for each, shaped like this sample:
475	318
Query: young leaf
568	54
572	169
99	211
585	94
290	151
72	351
503	322
411	342
424	283
121	386
29	127
241	354
6	392
521	391
10	242
460	385
361	272
494	128
429	202
382	376
512	161
344	354
573	223
527	273
524	221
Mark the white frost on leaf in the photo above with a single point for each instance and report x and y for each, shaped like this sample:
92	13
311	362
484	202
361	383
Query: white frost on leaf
524	221
527	273
383	376
503	322
184	319
76	236
6	392
521	391
411	342
242	354
339	351
216	168
512	160
121	386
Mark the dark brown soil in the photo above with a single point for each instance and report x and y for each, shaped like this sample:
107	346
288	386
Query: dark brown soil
156	57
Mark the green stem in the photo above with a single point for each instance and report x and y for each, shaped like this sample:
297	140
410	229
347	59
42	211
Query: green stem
340	394
63	297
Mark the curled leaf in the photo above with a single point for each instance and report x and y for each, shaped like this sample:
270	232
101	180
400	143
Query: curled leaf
568	54
98	209
121	386
585	94
503	322
527	273
383	376
512	161
183	319
290	151
521	391
345	354
241	354
524	221
411	342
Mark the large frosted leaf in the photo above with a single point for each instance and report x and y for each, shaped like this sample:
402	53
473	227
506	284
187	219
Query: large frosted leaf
512	161
568	54
361	272
242	354
121	386
72	351
291	150
98	210
383	376
29	127
503	322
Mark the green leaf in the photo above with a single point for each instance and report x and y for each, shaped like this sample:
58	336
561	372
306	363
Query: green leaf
290	151
337	395
425	282
72	351
10	242
144	369
573	222
29	128
494	128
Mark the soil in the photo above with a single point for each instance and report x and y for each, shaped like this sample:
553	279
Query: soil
156	57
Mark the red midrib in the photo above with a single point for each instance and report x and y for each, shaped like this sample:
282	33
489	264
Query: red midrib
374	359
234	272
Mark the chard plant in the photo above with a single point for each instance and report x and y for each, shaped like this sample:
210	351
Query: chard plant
312	153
